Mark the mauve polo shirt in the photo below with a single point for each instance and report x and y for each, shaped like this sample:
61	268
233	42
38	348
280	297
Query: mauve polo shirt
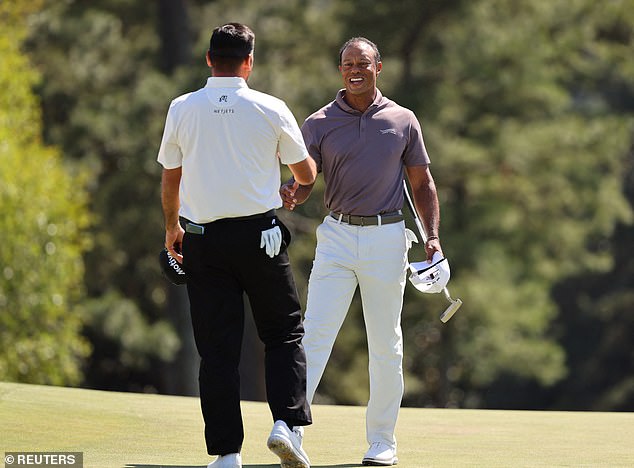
362	155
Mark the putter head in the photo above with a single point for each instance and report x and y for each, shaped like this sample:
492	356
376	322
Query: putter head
449	311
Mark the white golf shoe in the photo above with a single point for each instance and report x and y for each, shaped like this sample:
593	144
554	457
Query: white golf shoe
380	454
287	444
232	460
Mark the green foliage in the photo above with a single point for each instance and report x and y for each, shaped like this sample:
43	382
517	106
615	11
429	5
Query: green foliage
295	51
527	112
527	144
127	347
43	216
595	326
544	185
104	102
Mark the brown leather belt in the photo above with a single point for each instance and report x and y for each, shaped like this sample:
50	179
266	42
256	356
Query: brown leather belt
378	220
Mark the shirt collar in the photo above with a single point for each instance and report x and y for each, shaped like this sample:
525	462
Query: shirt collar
226	82
344	105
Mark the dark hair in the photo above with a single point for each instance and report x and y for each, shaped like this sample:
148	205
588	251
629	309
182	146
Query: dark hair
230	44
354	40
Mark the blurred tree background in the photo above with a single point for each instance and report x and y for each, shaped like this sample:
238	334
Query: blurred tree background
527	108
42	215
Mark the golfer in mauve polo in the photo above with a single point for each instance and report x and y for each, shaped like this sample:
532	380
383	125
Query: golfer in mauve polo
221	152
365	144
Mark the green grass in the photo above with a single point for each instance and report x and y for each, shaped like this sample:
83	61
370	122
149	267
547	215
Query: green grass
116	430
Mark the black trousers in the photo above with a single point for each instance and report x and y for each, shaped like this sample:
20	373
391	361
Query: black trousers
221	265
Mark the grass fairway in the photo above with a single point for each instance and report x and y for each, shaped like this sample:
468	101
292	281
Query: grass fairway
117	430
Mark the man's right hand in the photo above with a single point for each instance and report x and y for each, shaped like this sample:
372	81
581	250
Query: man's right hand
294	194
174	242
287	192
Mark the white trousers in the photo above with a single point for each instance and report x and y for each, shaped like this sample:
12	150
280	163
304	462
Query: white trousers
375	259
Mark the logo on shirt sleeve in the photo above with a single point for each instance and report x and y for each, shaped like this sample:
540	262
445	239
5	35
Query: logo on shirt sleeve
385	131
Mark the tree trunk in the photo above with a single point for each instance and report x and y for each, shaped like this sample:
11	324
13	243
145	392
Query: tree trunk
175	31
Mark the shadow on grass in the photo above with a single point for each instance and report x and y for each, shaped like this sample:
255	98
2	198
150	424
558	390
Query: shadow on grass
270	465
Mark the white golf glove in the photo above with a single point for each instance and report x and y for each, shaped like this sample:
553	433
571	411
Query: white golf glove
410	238
271	241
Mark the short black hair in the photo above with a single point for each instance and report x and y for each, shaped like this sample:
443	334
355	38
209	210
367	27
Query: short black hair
377	54
234	40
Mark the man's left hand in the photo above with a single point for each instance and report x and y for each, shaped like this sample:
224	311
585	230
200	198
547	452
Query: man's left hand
431	246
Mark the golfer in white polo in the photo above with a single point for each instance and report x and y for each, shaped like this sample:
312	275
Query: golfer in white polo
221	152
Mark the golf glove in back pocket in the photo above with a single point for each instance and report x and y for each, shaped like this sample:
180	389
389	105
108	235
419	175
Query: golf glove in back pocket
271	241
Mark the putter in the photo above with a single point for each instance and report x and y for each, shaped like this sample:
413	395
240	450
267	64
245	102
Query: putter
454	303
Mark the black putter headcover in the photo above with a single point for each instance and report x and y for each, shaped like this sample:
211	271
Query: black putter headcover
172	270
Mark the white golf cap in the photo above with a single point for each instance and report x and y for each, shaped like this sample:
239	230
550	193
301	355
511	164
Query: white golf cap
430	277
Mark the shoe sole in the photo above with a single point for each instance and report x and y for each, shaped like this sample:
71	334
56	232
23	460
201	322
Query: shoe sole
372	462
284	449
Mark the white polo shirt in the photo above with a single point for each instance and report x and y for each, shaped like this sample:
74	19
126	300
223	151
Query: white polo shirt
229	140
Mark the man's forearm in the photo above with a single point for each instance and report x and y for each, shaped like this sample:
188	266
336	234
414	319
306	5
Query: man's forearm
427	201
170	184
304	172
425	198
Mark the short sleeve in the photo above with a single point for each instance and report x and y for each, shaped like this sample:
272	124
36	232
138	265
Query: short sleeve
170	155
291	145
415	153
312	145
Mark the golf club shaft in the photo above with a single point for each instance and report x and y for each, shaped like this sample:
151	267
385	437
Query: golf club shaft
412	209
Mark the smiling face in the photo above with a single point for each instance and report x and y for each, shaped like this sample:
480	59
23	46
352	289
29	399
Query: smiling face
359	69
